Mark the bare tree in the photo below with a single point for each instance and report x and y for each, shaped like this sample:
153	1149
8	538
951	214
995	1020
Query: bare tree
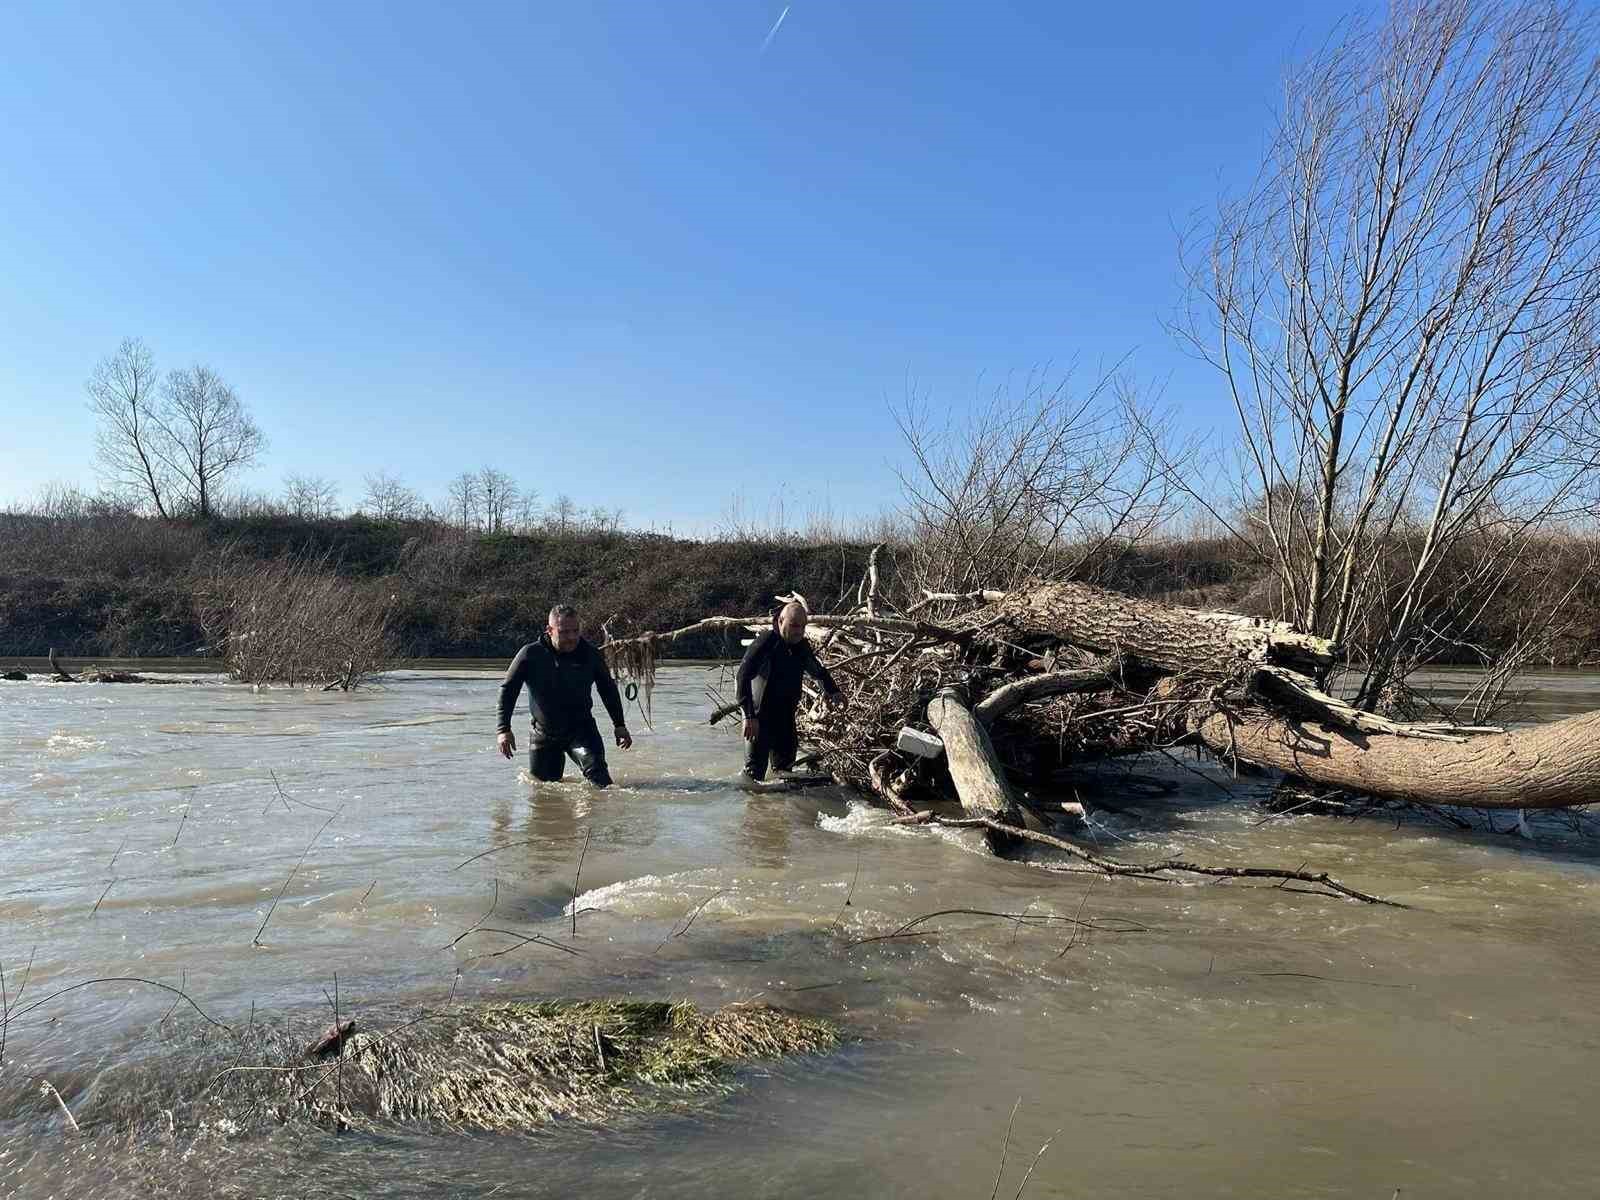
205	436
527	509
122	393
310	497
562	514
1036	483
464	500
1403	308
605	520
497	494
387	499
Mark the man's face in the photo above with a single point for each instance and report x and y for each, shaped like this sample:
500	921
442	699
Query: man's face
792	624
564	633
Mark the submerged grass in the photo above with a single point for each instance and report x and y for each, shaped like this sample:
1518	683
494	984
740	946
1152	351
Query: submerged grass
518	1066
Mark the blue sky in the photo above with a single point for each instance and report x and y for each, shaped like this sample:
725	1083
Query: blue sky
615	249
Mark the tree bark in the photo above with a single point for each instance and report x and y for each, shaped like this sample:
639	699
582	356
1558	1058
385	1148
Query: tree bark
1165	636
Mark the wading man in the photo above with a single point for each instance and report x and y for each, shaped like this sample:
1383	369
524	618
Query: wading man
558	670
769	691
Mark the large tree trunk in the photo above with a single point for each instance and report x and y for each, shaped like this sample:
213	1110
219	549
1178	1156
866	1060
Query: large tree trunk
1544	766
1548	766
1165	636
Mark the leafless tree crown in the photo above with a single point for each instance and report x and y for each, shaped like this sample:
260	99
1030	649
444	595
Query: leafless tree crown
122	394
177	449
1403	307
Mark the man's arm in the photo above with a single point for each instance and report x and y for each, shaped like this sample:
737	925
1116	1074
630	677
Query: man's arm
607	687
511	686
817	671
749	668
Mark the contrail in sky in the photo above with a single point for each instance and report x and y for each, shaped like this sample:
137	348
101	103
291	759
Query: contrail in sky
773	32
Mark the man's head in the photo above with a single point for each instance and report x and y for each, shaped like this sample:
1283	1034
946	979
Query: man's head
792	623
564	628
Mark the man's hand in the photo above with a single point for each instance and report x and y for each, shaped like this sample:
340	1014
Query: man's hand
624	738
752	727
507	742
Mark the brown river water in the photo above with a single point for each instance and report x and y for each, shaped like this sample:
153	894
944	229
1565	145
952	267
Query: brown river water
1210	1039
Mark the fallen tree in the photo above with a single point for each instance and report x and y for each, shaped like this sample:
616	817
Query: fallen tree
986	700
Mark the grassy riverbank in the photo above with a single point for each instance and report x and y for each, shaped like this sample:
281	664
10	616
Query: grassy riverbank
126	586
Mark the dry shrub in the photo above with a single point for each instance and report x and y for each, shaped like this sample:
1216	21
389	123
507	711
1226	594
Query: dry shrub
295	620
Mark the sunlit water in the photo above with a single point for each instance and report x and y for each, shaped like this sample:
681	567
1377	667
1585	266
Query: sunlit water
1237	1040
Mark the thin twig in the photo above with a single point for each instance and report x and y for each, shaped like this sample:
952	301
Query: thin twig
287	799
16	1013
1026	909
338	1050
849	893
493	904
690	921
182	820
256	941
1077	920
508	846
523	939
1035	1163
279	786
1004	1147
577	875
183	980
109	886
1023	918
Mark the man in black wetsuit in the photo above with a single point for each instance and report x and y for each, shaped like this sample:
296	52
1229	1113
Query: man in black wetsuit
558	671
769	690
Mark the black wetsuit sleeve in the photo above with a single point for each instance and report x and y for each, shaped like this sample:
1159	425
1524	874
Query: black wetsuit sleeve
817	671
607	687
749	668
511	686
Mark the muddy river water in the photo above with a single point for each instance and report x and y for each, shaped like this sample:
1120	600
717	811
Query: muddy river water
1205	1039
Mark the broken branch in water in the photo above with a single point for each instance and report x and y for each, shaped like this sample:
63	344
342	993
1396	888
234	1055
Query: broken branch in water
1110	867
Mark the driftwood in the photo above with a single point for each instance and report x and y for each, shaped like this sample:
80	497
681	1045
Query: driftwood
1024	688
92	675
332	1040
1545	766
979	779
